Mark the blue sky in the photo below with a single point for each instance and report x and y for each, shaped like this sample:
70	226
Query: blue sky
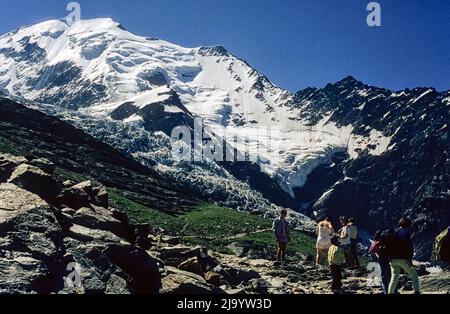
295	43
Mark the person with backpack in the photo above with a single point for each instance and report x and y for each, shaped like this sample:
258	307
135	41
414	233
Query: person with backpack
336	258
281	230
344	235
401	250
353	229
377	250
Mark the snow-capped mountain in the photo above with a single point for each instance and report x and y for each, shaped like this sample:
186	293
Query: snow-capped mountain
347	148
412	177
98	68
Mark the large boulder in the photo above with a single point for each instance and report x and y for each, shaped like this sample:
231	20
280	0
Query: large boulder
95	217
101	197
174	256
86	234
134	261
76	196
98	273
21	273
442	246
31	243
436	283
7	165
116	285
177	281
36	181
192	265
249	249
82	195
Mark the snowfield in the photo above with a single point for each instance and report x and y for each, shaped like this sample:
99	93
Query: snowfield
95	66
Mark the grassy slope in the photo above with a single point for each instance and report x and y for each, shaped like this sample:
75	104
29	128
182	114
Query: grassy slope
211	225
10	148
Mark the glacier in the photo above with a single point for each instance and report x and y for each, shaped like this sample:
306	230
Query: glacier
95	67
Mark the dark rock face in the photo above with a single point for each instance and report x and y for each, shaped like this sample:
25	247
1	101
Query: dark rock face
155	115
28	52
154	78
411	178
319	180
214	51
57	75
348	195
250	172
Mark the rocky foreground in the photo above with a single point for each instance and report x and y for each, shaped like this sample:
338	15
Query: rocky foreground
62	237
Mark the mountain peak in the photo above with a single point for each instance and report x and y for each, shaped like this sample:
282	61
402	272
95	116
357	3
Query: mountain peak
61	26
348	80
217	50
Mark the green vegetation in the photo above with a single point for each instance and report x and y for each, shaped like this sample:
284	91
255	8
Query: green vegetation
300	242
213	226
8	147
64	174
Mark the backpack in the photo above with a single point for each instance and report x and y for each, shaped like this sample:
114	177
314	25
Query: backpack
388	243
442	246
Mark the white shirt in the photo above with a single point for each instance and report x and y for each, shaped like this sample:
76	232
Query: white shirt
345	231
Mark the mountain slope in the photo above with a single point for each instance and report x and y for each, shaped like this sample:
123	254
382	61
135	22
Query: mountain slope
412	177
347	148
33	133
95	67
78	156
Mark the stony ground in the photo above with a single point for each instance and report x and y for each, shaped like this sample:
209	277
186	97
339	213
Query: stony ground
306	278
63	237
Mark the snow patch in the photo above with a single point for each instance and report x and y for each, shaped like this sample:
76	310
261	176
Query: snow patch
422	95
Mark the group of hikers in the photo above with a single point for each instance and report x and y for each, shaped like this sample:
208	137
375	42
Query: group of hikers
392	249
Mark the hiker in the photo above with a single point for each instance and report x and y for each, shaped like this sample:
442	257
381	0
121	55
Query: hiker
281	229
324	232
353	242
377	250
344	235
401	251
335	260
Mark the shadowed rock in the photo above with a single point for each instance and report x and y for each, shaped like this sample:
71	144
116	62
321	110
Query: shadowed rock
138	264
35	180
